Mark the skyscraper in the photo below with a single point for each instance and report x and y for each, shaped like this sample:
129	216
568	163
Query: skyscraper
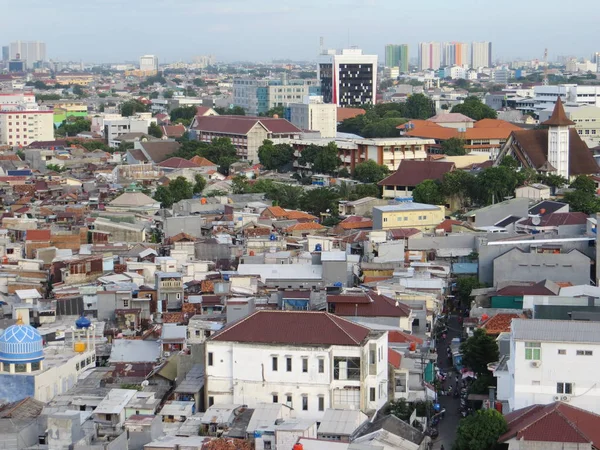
481	54
430	55
29	52
396	55
349	78
455	54
5	53
148	63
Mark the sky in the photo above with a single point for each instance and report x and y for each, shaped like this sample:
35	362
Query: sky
263	30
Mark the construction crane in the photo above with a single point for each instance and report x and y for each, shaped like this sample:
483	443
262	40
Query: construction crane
545	80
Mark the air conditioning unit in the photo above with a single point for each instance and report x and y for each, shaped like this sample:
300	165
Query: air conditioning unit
536	363
556	398
166	354
565	398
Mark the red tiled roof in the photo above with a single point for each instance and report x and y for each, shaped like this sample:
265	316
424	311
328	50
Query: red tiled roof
556	422
400	337
202	161
348	113
403	233
446	225
38	235
557	219
293	328
411	173
201	110
394	358
178	163
355	222
305	227
371	304
500	323
450	118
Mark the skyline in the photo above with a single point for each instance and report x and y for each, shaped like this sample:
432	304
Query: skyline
233	30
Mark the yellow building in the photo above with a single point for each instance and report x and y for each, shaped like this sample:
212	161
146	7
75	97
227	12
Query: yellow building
81	79
408	215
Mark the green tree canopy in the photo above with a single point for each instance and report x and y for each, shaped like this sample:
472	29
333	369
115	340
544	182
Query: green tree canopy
419	106
428	191
480	431
130	107
385	127
370	172
275	156
321	159
320	200
199	82
459	183
232	111
199	184
584	184
454	147
163	196
181	189
464	286
479	350
276	111
183	112
73	126
155	130
583	196
475	109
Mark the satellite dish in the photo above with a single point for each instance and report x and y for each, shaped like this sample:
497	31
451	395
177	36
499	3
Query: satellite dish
536	220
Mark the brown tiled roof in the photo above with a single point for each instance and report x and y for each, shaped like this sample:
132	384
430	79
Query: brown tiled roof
28	408
276	211
135	370
500	323
178	163
557	219
138	155
535	144
173	131
348	113
411	173
305	227
559	117
293	328
403	233
202	161
160	150
556	422
375	306
400	337
201	110
241	125
394	358
38	235
355	222
446	225
543	287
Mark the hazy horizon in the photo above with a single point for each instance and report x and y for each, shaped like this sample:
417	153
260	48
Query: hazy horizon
236	30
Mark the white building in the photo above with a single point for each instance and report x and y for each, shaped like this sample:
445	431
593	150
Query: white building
545	96
430	55
348	78
30	52
587	121
315	115
149	63
310	361
481	54
551	360
111	126
20	125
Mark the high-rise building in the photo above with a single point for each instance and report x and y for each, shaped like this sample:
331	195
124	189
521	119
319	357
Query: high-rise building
315	115
455	54
22	121
5	53
148	63
481	54
430	54
29	52
397	56
348	78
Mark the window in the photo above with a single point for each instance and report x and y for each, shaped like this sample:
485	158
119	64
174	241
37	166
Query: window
535	383
321	365
304	365
584	353
562	351
274	363
210	358
275	398
211	401
321	403
564	388
288	399
533	351
371	394
125	303
371	356
288	364
304	403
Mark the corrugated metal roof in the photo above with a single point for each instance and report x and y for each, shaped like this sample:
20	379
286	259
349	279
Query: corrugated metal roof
556	330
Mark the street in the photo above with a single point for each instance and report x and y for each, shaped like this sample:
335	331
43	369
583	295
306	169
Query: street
447	427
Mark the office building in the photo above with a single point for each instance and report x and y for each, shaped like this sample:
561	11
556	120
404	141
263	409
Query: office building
149	64
348	78
397	56
481	54
430	54
29	52
314	115
455	54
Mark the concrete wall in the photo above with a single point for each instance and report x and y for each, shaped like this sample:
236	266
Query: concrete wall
518	266
495	213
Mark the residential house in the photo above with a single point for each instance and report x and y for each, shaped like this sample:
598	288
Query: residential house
151	151
339	424
488	216
562	224
169	290
533	191
409	174
391	433
279	356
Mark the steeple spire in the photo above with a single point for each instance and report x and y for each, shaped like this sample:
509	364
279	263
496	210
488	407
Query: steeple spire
559	117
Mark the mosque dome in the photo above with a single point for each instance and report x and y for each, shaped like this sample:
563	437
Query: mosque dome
21	344
83	322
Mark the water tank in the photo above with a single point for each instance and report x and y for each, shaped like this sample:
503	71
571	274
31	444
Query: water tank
298	447
203	201
338	284
83	322
79	347
413	346
484	317
318	248
251	252
273	237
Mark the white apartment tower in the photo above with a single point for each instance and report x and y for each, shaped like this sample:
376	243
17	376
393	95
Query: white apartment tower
430	55
558	139
348	78
149	63
481	54
30	52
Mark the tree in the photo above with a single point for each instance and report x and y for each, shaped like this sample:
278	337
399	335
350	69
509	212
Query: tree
168	93
181	189
154	130
509	162
275	156
72	126
582	201
240	185
385	127
200	184
183	112
419	106
55	168
231	111
320	200
464	286
321	159
276	111
130	107
454	147
78	91
428	191
496	183
164	197
480	431
286	195
475	109
370	172
359	191
199	82
460	184
584	184
479	350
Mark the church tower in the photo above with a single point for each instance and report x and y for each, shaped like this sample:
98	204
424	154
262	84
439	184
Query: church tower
558	139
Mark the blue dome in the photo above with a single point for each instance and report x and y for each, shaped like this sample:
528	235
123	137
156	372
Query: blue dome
83	322
21	344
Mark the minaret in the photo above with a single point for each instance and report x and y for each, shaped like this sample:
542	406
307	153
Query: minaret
558	139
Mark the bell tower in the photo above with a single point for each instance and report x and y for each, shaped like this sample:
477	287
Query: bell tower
558	139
